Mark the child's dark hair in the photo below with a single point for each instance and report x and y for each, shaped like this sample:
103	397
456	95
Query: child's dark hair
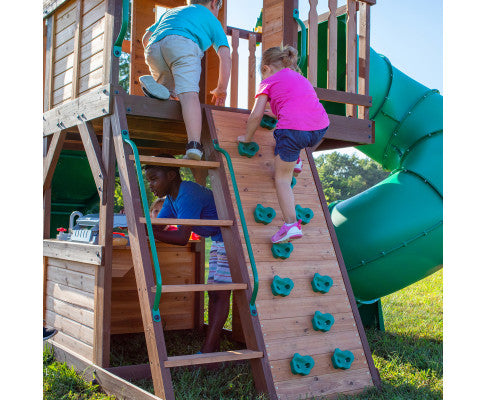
204	2
281	57
164	168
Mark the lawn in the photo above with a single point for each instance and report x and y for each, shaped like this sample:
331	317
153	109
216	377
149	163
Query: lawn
408	355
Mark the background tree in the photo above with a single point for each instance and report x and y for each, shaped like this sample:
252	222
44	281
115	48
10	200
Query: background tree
344	176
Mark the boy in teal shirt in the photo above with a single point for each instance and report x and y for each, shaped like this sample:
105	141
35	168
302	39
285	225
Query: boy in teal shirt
174	47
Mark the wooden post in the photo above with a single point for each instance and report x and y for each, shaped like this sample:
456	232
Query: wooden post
332	46
276	33
112	25
49	63
102	289
313	42
351	53
142	16
364	55
52	156
234	67
77	50
251	70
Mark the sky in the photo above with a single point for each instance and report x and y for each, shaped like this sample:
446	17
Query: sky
412	40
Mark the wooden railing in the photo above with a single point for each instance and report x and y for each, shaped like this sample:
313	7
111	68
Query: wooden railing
252	38
357	68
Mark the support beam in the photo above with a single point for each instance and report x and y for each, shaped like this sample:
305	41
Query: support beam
50	160
93	152
102	289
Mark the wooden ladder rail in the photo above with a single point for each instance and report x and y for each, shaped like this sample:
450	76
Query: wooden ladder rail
253	335
157	352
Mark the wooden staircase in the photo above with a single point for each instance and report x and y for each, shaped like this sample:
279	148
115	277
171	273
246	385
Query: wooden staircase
160	363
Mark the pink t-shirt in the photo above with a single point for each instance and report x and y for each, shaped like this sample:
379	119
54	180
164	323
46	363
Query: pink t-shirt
294	101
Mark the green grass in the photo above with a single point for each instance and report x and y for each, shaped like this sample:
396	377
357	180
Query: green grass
408	355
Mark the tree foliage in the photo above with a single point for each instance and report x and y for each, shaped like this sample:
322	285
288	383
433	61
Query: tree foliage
344	176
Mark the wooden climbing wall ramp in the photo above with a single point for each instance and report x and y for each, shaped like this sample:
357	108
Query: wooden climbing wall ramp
286	322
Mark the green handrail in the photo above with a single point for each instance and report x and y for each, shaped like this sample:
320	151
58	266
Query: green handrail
252	303
124	26
155	311
303	55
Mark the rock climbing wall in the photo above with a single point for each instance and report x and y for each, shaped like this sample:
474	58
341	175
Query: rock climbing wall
288	321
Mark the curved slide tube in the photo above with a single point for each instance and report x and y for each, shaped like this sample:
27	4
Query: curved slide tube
391	235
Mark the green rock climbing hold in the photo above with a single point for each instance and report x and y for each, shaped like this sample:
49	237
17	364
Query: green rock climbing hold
281	286
301	365
268	122
281	250
293	182
321	283
322	322
264	215
247	149
342	359
305	214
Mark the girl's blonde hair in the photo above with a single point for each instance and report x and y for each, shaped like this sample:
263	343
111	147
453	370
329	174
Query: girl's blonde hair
281	57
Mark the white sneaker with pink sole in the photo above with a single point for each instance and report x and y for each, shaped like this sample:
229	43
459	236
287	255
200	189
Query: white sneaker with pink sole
287	233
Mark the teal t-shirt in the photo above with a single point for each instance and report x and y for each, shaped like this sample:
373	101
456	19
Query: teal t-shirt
194	22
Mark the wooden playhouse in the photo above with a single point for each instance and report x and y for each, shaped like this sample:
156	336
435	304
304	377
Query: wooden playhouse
93	291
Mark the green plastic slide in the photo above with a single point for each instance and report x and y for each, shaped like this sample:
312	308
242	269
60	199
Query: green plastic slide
391	235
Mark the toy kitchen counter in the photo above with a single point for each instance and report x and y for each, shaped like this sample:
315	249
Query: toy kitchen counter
73	271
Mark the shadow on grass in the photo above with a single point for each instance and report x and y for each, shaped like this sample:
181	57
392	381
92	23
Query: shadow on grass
422	354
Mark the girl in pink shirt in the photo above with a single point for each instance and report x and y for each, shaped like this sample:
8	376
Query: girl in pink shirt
302	122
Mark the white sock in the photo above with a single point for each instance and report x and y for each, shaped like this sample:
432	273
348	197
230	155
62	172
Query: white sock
290	223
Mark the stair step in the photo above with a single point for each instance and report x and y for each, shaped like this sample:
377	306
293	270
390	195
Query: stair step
175	162
201	287
190	222
207	358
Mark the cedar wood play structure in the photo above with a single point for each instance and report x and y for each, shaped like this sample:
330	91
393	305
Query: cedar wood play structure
93	291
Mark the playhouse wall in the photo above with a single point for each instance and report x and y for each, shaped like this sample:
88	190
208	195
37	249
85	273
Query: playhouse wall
75	48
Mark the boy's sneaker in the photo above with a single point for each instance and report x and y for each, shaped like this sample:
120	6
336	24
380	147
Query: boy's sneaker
153	89
287	233
298	166
48	333
193	151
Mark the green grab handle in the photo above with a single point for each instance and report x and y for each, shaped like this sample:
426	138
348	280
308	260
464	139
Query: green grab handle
252	303
303	55
155	311
123	29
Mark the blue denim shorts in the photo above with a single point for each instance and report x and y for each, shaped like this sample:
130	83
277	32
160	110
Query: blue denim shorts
289	142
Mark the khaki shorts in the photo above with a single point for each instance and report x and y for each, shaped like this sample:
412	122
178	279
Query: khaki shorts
175	62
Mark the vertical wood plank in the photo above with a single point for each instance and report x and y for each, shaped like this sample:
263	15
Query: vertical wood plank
102	289
157	353
49	69
112	24
199	267
251	70
212	60
351	53
234	67
364	55
332	46
313	42
77	49
290	26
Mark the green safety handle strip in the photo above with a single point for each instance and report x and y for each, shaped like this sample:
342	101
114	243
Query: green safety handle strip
303	55
155	311
123	29
252	303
